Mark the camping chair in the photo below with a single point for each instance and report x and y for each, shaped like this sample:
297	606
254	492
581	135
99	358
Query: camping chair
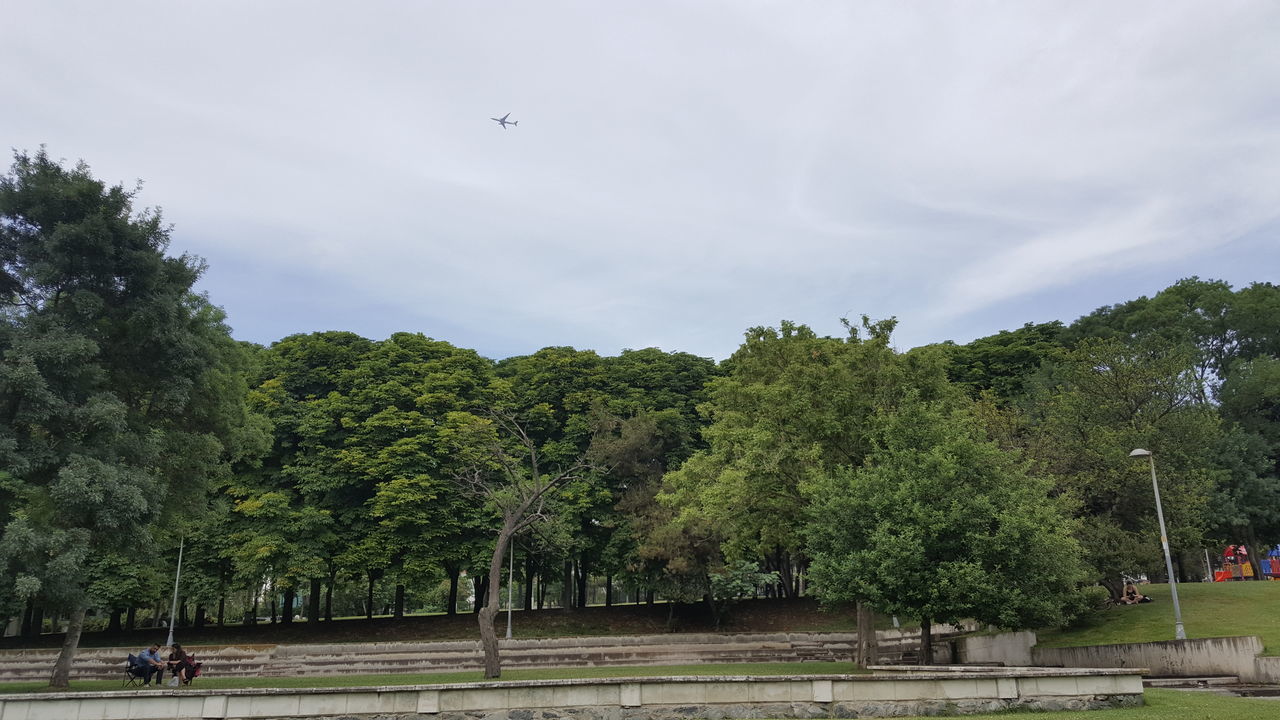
193	669
133	675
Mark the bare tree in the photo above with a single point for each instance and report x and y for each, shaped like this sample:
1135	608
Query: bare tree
516	484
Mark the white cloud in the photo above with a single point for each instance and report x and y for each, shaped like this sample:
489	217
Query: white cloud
681	171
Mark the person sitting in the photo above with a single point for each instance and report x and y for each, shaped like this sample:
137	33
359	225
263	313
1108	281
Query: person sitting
1131	596
179	666
150	665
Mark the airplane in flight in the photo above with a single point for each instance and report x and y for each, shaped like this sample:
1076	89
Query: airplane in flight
504	122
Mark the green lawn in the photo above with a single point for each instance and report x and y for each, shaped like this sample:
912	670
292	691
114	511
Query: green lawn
1164	704
216	683
1208	610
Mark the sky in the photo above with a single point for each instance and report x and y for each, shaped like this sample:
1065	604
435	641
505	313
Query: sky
682	171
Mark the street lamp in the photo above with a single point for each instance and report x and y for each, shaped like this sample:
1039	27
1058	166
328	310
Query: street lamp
173	609
1178	631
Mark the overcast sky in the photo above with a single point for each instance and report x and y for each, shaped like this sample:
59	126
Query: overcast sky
682	170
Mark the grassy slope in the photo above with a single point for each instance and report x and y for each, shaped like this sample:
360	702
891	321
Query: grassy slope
1208	610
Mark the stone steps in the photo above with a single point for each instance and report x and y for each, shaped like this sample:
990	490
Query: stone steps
896	646
1191	682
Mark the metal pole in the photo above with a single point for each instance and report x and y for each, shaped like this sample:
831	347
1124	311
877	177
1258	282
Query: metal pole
1179	632
511	582
1208	568
173	609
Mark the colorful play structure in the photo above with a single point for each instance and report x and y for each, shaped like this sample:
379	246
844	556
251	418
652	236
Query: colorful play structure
1236	565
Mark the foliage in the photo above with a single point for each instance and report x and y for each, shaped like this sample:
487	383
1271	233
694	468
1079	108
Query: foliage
940	523
119	387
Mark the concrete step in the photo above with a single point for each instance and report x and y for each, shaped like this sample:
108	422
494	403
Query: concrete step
419	657
1190	682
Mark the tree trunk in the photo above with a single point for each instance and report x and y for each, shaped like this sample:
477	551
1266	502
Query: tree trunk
286	607
399	609
608	590
566	591
451	605
582	584
488	637
481	589
1256	553
183	620
61	678
528	576
201	615
113	624
368	603
328	593
222	608
926	642
313	602
866	651
274	607
131	618
28	616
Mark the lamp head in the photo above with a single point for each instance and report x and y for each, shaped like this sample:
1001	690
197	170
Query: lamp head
1140	453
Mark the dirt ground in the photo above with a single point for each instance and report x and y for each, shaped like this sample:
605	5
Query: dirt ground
802	614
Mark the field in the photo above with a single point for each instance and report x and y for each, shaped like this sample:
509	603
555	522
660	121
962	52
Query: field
1208	610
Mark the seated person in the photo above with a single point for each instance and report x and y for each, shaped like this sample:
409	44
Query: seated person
149	664
182	667
1131	596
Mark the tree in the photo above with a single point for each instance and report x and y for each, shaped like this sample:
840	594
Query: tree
792	404
1115	396
507	471
941	524
115	385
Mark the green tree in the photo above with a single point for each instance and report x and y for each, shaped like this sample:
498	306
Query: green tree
114	383
941	524
791	404
1115	396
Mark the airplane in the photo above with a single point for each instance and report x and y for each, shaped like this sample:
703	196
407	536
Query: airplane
504	122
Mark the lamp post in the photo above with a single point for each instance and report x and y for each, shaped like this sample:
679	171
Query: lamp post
1178	631
511	581
173	609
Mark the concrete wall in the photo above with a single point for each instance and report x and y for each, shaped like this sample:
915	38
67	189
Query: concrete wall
1176	658
662	698
1010	649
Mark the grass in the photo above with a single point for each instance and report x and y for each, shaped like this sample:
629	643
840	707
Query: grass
1165	704
1208	610
314	681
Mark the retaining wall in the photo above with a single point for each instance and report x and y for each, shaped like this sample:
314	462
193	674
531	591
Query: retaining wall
661	698
1238	656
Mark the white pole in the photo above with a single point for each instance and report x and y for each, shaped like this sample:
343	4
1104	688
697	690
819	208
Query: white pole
1179	632
511	582
173	609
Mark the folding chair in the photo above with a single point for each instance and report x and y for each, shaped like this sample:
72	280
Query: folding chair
133	675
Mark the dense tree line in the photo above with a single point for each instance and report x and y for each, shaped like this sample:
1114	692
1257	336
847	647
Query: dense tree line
330	475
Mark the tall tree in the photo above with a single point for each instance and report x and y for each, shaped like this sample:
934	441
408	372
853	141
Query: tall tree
941	524
508	472
114	382
1115	396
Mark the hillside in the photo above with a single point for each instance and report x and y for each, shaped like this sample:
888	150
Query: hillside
1208	610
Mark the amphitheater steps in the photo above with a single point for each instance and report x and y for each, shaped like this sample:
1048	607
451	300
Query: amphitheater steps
896	646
